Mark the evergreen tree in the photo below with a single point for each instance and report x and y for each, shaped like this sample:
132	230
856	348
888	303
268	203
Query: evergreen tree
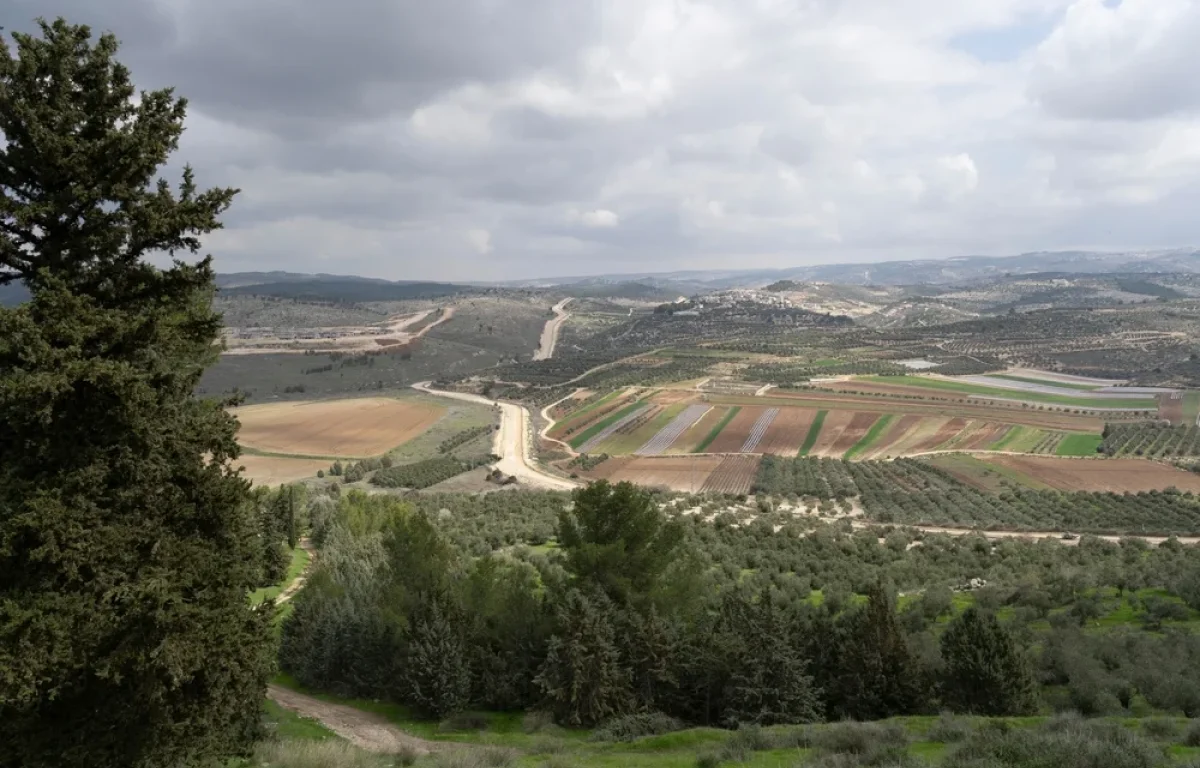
616	540
582	678
433	668
986	673
876	677
127	541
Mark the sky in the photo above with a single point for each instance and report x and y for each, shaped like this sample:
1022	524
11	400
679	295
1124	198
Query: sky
493	139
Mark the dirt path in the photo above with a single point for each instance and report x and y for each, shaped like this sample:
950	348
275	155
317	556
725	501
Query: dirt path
365	730
545	349
298	583
511	443
550	422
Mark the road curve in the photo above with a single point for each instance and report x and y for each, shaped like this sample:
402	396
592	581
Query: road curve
549	339
511	442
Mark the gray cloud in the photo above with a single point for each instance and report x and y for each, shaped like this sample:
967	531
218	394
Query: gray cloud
491	138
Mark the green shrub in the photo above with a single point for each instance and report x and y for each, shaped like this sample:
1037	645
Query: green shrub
1191	736
949	729
859	738
1161	729
536	722
1065	742
635	726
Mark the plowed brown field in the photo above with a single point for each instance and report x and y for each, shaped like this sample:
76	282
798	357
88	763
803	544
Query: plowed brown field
831	430
787	431
693	436
944	433
893	435
1118	475
856	430
271	470
733	437
679	473
355	428
984	435
734	475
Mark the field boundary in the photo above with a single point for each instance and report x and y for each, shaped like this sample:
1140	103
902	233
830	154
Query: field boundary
716	430
814	432
872	435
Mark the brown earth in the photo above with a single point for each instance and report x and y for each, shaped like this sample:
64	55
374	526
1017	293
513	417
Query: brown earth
365	730
944	433
831	430
787	431
679	473
695	434
734	475
353	428
892	435
270	470
856	430
1117	475
984	435
733	437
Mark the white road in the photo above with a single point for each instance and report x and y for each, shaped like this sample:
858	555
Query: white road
511	442
549	339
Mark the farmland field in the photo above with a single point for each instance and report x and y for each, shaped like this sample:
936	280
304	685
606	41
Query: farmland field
275	470
733	436
355	428
915	384
1117	475
679	473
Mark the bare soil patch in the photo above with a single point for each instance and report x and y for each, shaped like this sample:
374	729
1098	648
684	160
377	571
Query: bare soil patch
943	434
787	432
347	428
365	730
734	475
984	435
679	473
831	430
688	441
735	433
1116	475
271	470
856	430
892	436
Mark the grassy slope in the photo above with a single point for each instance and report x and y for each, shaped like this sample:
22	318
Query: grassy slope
707	441
1046	382
872	435
1079	445
968	388
814	431
1191	406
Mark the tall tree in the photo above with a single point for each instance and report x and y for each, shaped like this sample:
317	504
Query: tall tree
986	673
616	540
127	541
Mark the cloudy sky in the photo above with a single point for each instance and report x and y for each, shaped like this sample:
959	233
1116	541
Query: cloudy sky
484	139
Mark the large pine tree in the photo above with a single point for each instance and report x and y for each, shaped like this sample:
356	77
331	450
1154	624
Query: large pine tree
986	672
126	541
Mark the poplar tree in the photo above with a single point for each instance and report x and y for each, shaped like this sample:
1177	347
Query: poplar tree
127	540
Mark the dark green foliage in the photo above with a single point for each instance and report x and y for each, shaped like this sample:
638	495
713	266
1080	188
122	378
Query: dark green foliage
433	663
423	474
464	437
986	673
636	726
582	678
616	540
127	544
1066	742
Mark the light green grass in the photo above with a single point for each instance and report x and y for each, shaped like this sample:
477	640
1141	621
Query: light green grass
295	568
286	724
872	435
967	388
814	431
619	445
1007	439
1079	445
1045	382
602	424
724	422
459	417
1191	406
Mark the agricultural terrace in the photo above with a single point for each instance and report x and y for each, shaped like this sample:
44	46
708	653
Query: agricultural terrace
355	428
674	422
278	470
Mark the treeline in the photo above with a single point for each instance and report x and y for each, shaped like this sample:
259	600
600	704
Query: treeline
1152	439
353	472
464	437
422	474
281	515
637	611
913	492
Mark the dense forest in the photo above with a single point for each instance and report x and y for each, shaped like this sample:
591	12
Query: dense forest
604	606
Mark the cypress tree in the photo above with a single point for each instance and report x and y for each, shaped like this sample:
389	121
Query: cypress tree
436	679
986	673
877	677
127	541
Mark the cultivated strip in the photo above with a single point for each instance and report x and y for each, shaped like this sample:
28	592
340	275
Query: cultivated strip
666	436
759	429
608	431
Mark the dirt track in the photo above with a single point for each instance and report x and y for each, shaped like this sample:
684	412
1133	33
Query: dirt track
549	339
511	442
365	730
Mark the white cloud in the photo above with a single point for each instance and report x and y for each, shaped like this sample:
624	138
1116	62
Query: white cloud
500	138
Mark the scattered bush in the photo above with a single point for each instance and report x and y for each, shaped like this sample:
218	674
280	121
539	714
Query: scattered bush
949	729
537	721
853	738
464	721
1161	729
635	726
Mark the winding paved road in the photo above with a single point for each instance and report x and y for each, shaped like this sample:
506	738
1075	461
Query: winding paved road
511	442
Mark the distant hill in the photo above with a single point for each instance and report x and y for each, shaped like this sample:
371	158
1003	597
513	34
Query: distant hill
348	289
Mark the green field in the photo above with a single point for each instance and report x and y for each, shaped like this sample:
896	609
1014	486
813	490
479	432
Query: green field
1191	406
607	421
707	441
967	388
1079	445
872	435
1045	382
619	445
814	432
